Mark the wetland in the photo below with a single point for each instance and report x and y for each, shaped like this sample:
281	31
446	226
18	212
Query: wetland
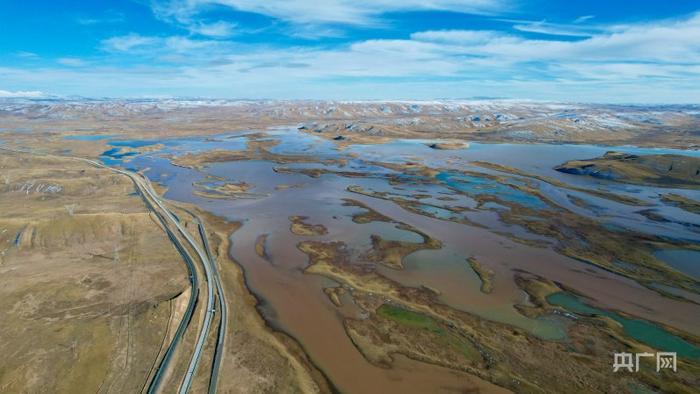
420	265
416	266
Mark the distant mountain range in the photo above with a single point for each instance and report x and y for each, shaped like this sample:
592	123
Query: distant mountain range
491	120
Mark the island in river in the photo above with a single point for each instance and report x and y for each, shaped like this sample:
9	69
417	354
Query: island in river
468	255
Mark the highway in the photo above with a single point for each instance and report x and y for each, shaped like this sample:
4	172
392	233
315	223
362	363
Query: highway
223	307
164	364
144	185
168	219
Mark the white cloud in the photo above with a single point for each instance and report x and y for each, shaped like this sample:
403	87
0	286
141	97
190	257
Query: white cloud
583	18
184	14
21	94
661	42
183	44
637	53
555	29
27	55
352	12
652	62
215	29
153	46
127	43
461	37
71	61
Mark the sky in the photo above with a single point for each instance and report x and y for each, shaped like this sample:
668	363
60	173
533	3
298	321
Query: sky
624	51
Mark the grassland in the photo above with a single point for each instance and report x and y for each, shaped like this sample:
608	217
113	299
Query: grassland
261	246
391	252
367	215
214	187
256	149
412	322
95	289
657	170
299	226
682	202
624	199
365	122
84	306
576	236
485	274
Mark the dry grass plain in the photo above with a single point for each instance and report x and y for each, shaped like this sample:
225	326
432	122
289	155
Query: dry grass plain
93	288
84	306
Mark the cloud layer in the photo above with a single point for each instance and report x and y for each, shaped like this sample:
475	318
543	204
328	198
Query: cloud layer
576	61
352	12
21	94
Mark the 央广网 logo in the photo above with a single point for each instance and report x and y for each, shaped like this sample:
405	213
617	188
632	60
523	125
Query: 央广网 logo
630	361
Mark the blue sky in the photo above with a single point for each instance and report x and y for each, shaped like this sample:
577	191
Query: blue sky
639	51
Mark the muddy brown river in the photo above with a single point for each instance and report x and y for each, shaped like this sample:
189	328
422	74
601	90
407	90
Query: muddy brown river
295	303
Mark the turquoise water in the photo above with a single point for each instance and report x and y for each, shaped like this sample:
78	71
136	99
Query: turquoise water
113	157
175	146
90	137
183	145
640	330
115	153
473	185
134	143
440	213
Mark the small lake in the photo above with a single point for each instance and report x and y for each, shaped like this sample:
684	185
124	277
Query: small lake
641	330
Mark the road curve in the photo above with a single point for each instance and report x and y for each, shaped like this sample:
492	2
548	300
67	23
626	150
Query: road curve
150	196
145	185
223	306
164	364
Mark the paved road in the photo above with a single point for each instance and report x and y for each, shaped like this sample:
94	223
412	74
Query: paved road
164	364
145	186
223	306
168	219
